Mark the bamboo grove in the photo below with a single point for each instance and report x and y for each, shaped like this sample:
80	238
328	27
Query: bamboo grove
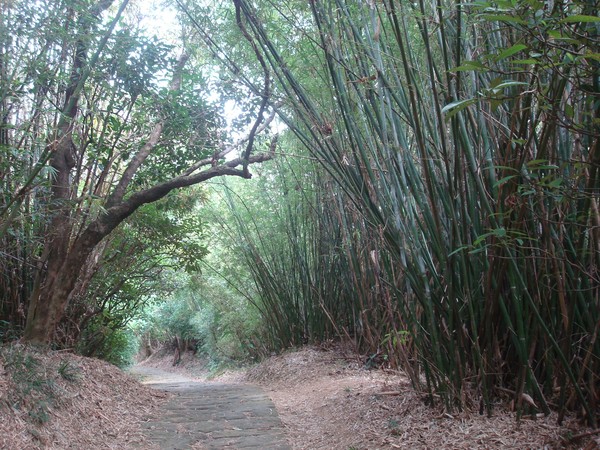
455	232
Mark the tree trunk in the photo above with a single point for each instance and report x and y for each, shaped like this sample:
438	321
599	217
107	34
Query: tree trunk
56	280
50	301
64	254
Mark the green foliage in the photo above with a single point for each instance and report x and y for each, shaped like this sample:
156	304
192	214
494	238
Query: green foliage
228	329
135	267
273	225
450	127
155	225
102	339
174	315
8	333
191	132
134	61
205	315
442	211
69	371
107	86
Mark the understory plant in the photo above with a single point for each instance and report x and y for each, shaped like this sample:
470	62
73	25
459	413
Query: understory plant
203	316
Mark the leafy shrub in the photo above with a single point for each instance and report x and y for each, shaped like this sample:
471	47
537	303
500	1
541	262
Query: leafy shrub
115	345
228	334
8	331
68	371
221	325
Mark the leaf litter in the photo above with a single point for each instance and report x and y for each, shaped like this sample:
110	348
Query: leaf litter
86	403
328	400
325	397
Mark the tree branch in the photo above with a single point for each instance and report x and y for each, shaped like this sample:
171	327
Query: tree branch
267	76
115	214
230	148
139	158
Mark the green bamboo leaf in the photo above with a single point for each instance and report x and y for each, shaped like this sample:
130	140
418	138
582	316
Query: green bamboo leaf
495	103
458	250
470	65
508	168
451	109
558	36
580	18
541	164
510	51
503	18
504	180
525	61
556	183
510	84
595	56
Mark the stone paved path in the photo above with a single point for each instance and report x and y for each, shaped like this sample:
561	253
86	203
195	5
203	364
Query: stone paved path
211	415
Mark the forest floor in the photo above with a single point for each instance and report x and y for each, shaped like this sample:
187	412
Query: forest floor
326	399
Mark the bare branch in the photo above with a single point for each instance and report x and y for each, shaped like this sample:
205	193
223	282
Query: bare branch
266	93
229	148
117	213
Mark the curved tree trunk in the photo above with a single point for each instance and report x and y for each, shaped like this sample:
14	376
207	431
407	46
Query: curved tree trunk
57	276
50	301
65	255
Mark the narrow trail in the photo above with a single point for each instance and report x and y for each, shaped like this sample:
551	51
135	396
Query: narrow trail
205	415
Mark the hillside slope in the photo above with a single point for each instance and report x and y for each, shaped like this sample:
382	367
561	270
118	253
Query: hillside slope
58	400
328	400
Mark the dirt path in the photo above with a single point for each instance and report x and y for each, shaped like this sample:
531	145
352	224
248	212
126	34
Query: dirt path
204	415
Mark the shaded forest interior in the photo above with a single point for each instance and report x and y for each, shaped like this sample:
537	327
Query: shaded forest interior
419	179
